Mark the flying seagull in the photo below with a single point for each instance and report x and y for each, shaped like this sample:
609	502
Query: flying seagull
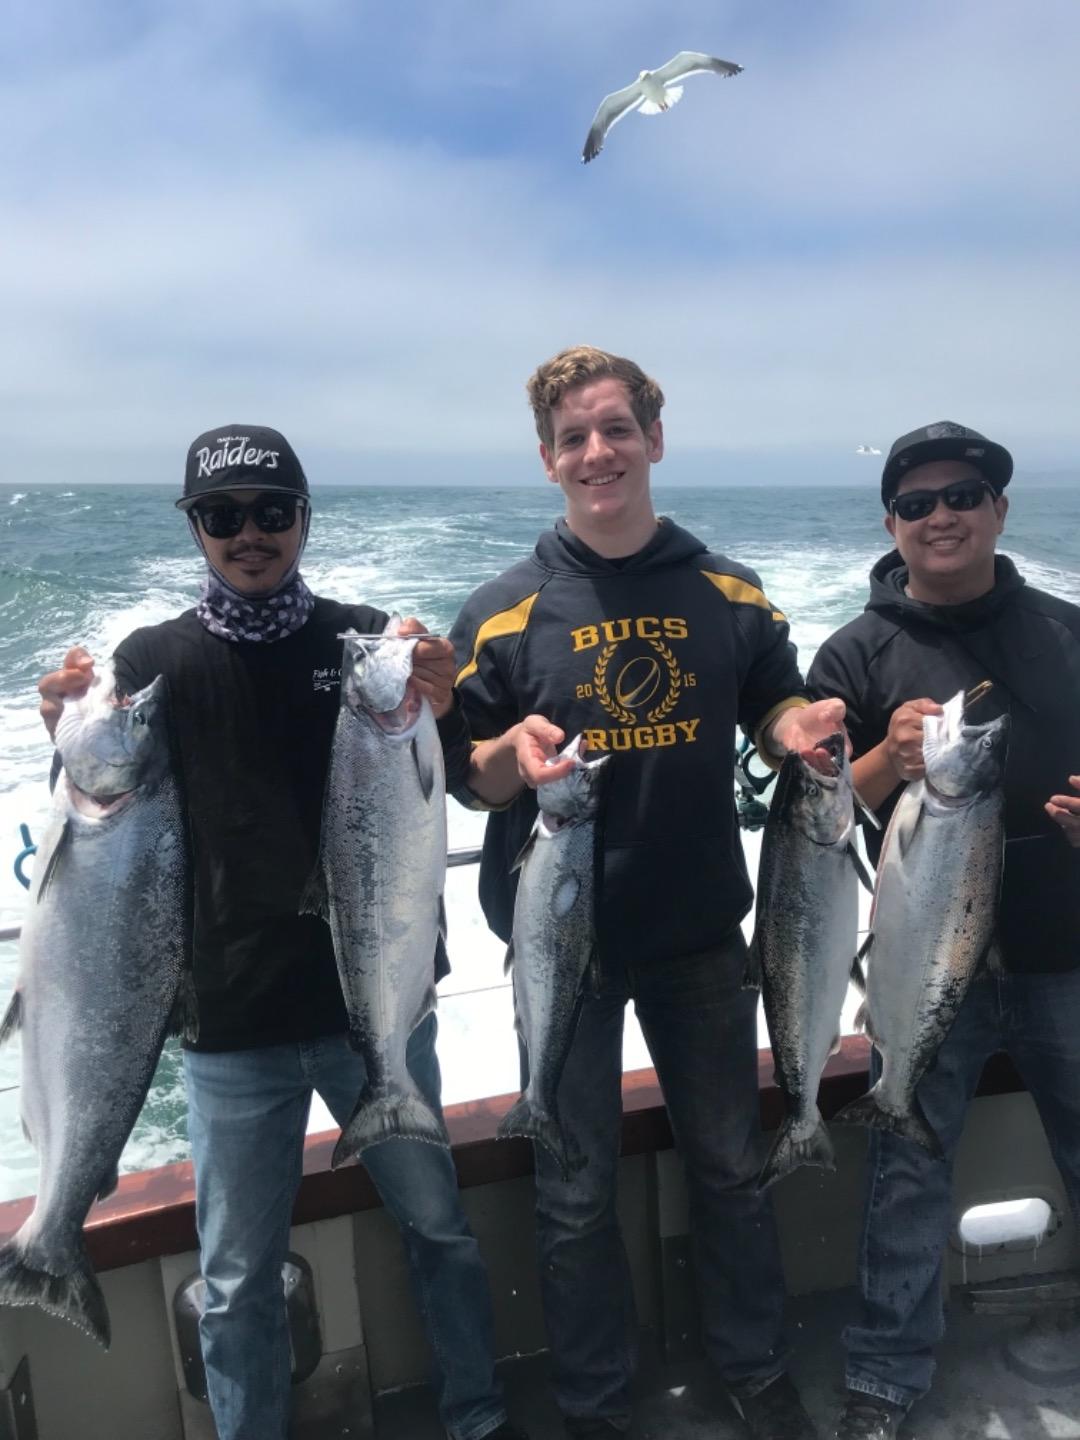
651	92
867	450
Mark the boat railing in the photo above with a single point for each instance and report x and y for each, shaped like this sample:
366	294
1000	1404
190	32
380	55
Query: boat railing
464	855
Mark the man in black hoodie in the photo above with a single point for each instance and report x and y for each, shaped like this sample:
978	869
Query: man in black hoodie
945	612
624	628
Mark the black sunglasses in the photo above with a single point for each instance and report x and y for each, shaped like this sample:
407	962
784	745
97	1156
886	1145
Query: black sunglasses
961	495
271	513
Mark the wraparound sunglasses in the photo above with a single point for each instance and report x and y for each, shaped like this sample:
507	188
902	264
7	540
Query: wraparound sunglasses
961	495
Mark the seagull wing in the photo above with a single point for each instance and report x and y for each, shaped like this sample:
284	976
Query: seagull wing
690	62
612	108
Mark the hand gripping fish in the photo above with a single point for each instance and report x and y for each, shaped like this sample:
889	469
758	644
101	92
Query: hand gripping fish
379	878
104	973
934	910
552	943
805	938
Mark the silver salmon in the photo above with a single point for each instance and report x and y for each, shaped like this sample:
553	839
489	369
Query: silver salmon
805	939
379	879
104	973
552	942
934	910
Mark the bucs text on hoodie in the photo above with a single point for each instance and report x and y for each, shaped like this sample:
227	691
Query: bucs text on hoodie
655	659
1027	643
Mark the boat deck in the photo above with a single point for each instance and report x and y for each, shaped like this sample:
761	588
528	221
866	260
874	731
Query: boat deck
976	1396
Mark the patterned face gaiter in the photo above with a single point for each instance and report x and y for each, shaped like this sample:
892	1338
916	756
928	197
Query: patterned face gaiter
230	615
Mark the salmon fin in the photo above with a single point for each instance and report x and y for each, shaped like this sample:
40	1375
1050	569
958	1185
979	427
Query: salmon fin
565	897
75	1297
109	1182
870	815
429	1001
314	899
907	828
442	926
508	963
912	1126
52	864
861	871
752	974
184	1016
523	1119
425	771
523	853
788	1154
858	973
399	1116
13	1017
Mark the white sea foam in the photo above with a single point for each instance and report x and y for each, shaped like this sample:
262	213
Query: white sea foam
1055	579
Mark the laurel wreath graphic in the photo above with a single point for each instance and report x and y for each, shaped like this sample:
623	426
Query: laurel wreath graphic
620	712
671	699
600	686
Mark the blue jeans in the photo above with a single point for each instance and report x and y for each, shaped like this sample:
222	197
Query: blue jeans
248	1112
701	1029
908	1217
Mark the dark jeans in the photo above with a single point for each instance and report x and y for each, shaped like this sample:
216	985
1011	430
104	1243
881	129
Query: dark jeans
1036	1018
701	1029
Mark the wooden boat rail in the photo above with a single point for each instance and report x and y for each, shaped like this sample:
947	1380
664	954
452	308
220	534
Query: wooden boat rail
152	1213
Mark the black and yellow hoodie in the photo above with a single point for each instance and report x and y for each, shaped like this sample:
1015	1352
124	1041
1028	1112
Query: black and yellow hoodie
655	658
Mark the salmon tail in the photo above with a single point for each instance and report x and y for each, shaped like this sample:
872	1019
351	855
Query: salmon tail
397	1116
788	1154
912	1126
523	1119
12	1020
75	1297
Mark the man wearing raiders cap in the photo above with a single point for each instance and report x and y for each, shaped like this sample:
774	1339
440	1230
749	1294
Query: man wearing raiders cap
254	675
946	612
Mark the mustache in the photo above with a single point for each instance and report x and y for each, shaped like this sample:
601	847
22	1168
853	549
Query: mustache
266	552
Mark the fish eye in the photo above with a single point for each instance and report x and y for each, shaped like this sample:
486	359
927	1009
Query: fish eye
812	790
987	743
139	718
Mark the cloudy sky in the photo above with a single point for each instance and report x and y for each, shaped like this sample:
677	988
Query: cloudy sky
365	223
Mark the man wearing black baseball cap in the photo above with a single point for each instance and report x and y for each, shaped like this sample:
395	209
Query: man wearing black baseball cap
945	440
945	613
254	674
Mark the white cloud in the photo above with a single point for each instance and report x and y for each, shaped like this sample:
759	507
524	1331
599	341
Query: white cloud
871	228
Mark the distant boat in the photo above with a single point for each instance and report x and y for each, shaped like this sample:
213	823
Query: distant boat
867	450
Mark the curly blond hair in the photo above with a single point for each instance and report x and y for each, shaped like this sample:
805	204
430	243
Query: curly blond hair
578	366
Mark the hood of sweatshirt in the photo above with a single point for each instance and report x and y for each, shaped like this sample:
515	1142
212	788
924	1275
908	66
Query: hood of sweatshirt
888	596
562	553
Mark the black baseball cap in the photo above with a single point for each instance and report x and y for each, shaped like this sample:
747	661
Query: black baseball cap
241	457
945	440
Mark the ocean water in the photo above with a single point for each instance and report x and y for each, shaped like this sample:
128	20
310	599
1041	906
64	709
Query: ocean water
88	564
